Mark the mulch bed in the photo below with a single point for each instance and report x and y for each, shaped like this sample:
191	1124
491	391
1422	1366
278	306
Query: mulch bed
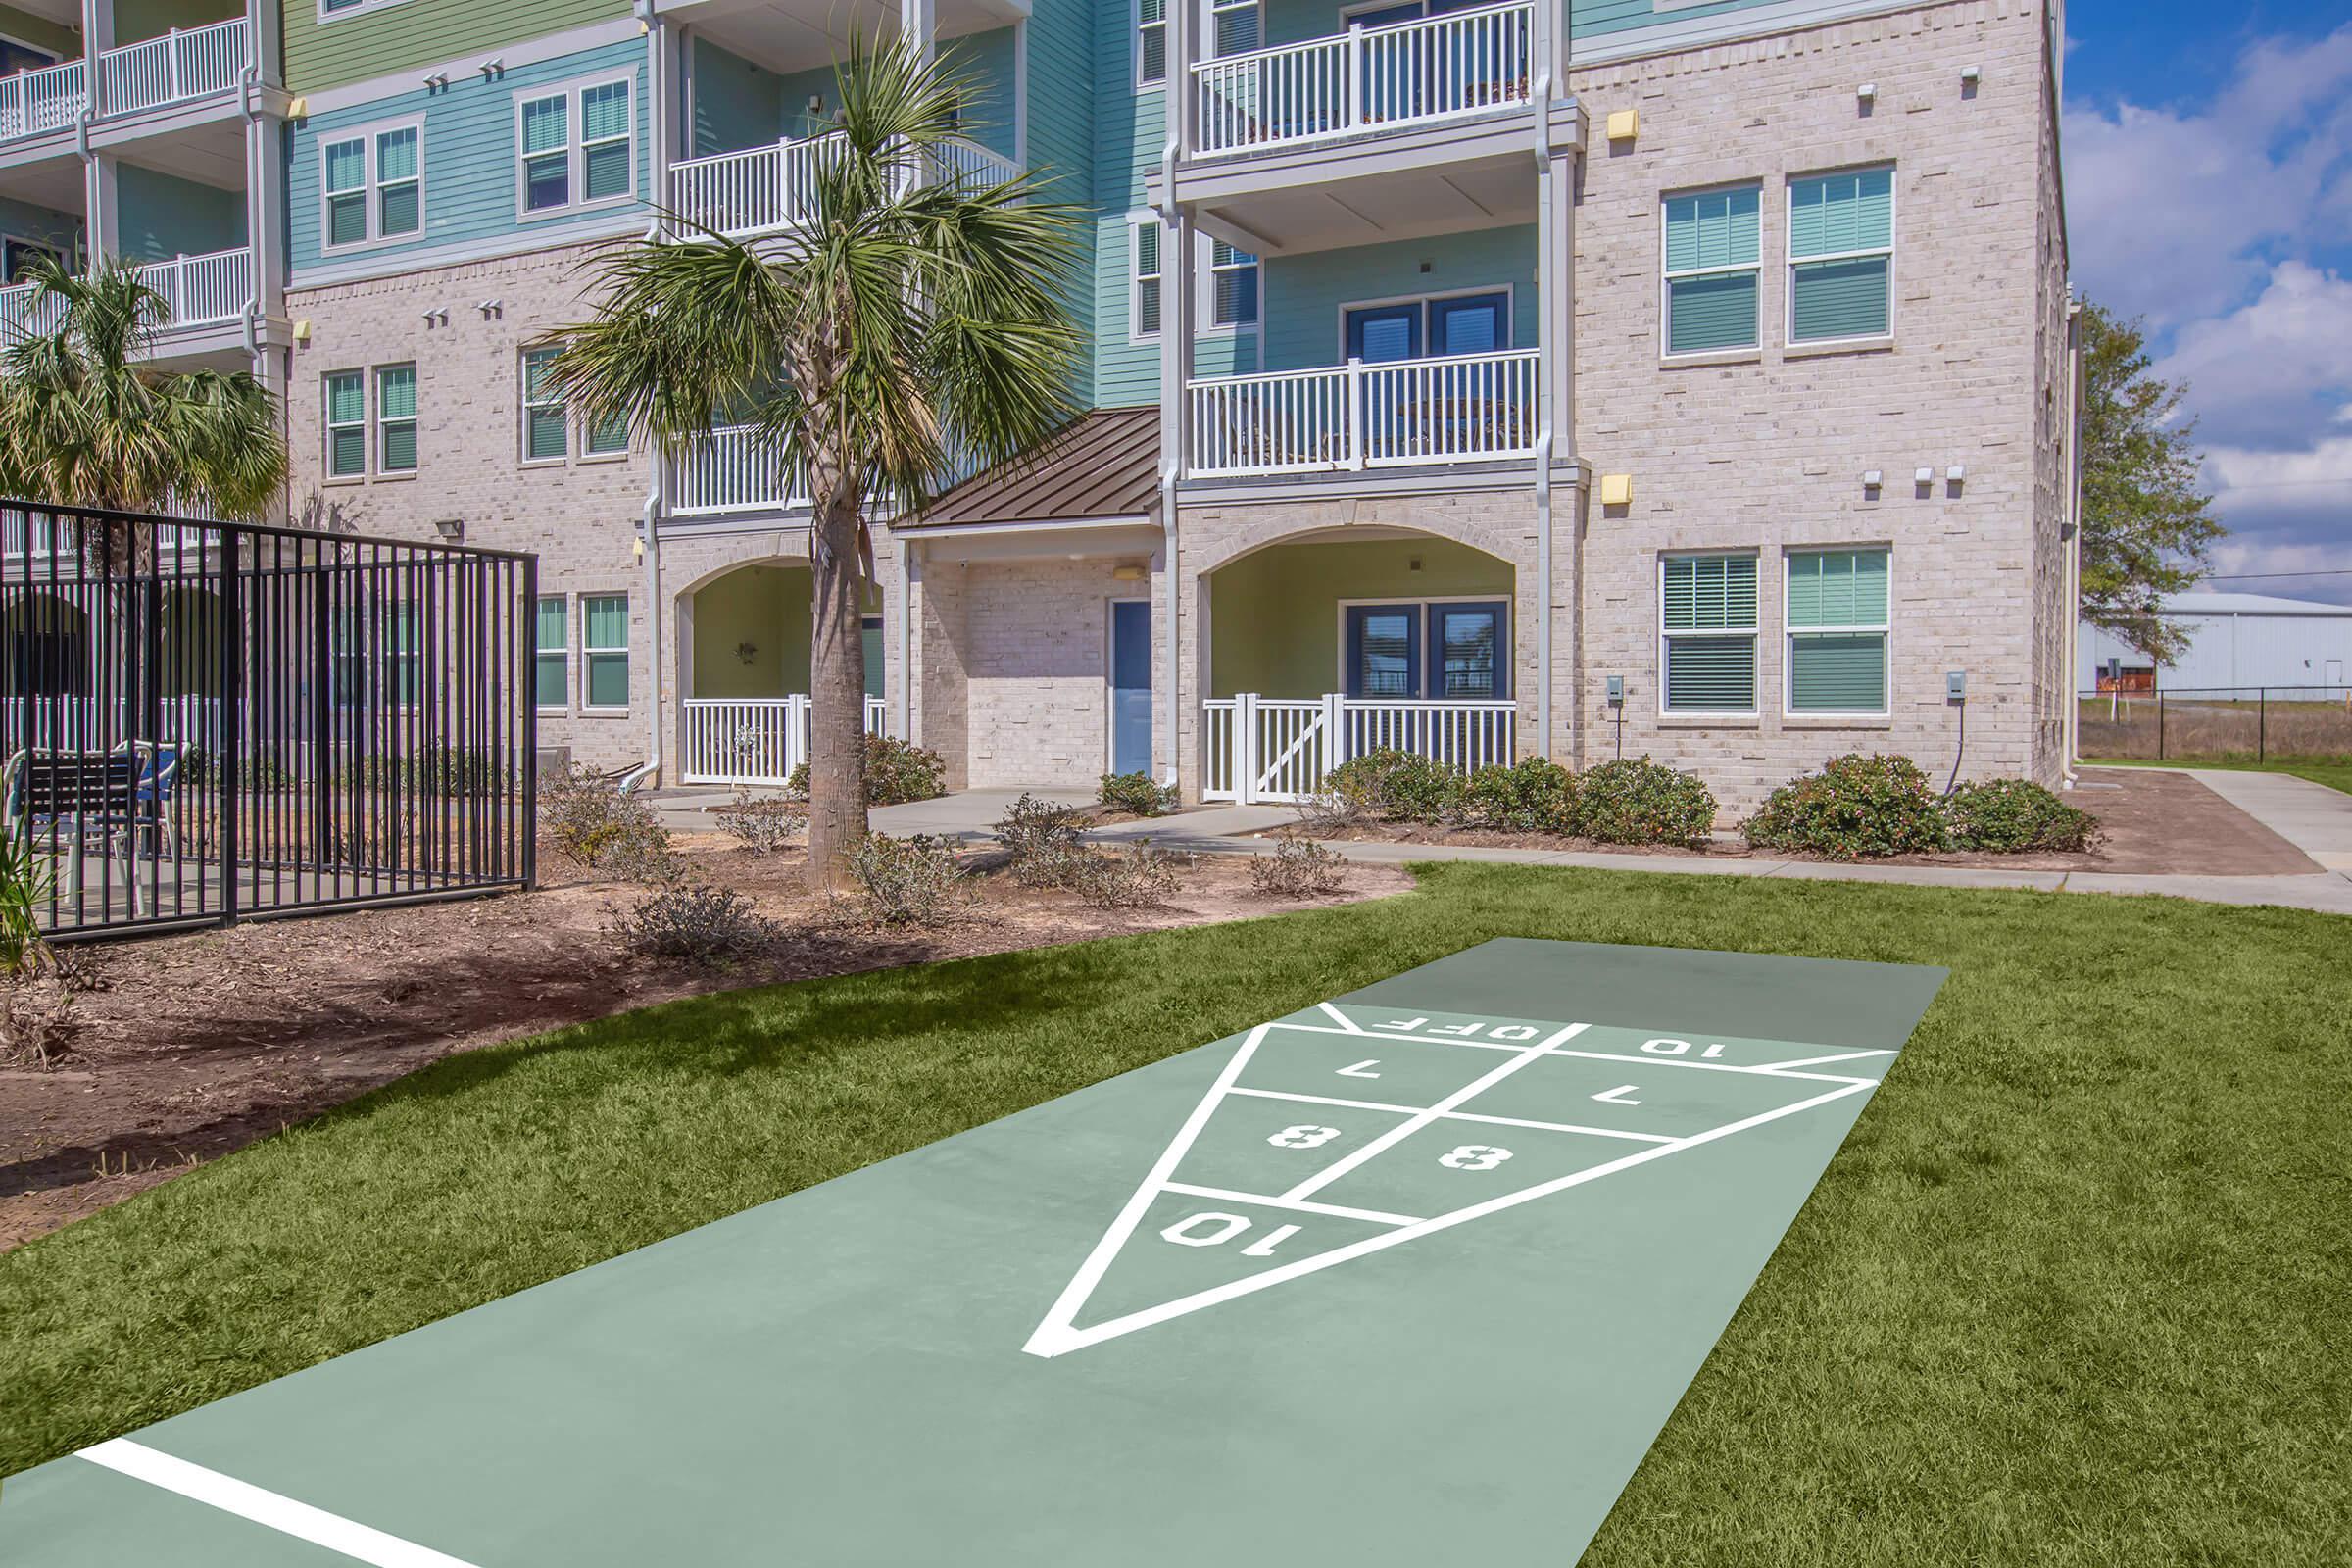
198	1045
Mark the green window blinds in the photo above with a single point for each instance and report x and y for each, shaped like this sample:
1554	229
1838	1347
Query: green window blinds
549	637
1840	254
1233	286
607	436
605	141
1708	619
542	408
1236	26
346	192
605	650
402	661
1712	257
546	153
396	418
1147	279
1837	631
398	193
346	424
1151	42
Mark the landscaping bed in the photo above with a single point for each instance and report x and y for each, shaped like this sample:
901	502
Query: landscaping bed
198	1045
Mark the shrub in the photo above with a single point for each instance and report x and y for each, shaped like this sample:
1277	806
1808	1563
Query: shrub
1298	869
1131	877
1534	796
911	881
2009	815
1857	808
1043	841
896	772
37	1021
25	883
1643	802
693	921
762	824
1136	793
584	815
1398	786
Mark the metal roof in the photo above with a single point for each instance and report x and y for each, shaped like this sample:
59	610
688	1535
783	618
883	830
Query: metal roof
2229	604
1103	465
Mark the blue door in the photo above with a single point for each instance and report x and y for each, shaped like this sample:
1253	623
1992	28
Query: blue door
1130	686
1382	334
1384	651
1469	650
1469	323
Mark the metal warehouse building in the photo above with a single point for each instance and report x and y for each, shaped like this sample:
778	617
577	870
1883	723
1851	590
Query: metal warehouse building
2241	642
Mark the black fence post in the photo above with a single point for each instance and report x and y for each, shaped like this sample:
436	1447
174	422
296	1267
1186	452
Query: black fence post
2262	724
232	704
527	700
2159	725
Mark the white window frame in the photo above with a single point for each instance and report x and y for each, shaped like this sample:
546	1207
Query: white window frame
562	650
345	13
1211	10
1143	83
375	421
524	405
1668	277
1510	313
1754	633
1790	634
328	425
1505	649
587	705
370	188
574	146
1136	225
1793	260
1206	271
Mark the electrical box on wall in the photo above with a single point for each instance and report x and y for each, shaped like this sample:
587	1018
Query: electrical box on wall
1616	691
1955	685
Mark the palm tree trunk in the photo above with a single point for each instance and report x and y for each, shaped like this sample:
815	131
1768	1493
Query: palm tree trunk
837	820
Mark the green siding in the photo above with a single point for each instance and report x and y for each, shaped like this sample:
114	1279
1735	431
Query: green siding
61	231
42	33
988	56
1064	125
160	216
1275	615
415	33
139	20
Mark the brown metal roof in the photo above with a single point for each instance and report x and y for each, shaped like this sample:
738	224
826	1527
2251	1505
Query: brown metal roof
1101	465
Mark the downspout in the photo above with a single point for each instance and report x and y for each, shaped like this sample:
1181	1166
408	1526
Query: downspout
906	638
649	547
249	79
2074	539
1169	774
1547	242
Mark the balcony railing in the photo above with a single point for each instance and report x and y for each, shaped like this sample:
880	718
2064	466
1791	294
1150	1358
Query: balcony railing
1464	407
752	740
202	290
1279	748
735	470
176	67
1367	79
48	99
25	312
765	190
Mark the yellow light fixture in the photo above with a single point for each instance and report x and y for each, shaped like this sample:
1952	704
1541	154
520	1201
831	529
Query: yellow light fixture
1616	489
302	330
1624	124
299	109
1129	572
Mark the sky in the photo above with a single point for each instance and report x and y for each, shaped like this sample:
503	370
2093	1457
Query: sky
2208	156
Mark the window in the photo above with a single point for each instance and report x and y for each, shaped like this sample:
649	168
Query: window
1837	631
608	438
550	639
396	418
557	173
371	182
346	424
1232	286
16	57
605	650
402	663
1234	26
1841	255
869	638
543	438
19	256
1467	644
1712	261
1707	625
1150	43
1143	309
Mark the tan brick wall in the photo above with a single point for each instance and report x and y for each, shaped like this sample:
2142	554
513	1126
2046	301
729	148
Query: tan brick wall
1036	661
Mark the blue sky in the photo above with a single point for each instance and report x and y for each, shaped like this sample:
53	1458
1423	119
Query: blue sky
2209	191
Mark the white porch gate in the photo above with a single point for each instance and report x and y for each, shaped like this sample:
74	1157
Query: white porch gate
752	740
1277	749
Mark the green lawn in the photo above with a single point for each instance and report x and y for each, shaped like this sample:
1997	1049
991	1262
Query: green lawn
2336	776
2074	1292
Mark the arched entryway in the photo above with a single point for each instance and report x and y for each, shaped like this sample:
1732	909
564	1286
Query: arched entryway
744	644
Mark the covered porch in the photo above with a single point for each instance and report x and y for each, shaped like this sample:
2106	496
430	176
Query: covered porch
744	642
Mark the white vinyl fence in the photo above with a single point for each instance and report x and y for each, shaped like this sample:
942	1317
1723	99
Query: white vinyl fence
764	190
752	740
202	290
1278	748
48	99
176	67
1460	407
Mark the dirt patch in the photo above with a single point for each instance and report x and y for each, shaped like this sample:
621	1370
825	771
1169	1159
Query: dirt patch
199	1044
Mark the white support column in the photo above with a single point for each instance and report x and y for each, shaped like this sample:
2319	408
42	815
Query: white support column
265	217
97	33
265	34
98	195
918	21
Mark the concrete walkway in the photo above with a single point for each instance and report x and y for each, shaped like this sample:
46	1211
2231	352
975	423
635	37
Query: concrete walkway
2315	818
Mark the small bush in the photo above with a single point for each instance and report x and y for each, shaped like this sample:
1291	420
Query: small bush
1043	841
39	1025
1134	876
1137	794
896	772
692	921
911	881
586	817
2011	816
1397	786
1643	802
1858	807
762	824
1298	869
1534	796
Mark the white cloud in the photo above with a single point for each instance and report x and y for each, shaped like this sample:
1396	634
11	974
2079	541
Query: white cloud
2274	372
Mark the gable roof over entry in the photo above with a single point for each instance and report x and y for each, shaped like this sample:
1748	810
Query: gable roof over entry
1102	466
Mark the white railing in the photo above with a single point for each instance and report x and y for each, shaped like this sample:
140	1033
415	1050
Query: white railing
47	99
199	290
752	740
1280	749
1462	408
27	312
736	471
176	67
768	189
1367	79
971	164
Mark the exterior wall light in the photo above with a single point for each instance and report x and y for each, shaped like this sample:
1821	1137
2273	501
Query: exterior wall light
1616	489
1624	125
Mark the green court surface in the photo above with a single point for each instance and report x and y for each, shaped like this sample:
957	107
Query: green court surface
1414	1274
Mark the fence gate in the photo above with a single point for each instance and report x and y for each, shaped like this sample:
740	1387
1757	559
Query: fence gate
1277	749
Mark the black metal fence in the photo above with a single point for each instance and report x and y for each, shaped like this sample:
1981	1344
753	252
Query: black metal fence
2218	724
207	721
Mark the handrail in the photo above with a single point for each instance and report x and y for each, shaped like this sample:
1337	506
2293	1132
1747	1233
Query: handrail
179	67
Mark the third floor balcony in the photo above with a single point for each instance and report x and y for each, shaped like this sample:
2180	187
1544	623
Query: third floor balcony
182	68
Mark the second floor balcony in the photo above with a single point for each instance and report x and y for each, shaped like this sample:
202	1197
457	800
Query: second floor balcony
181	66
1454	409
199	291
772	188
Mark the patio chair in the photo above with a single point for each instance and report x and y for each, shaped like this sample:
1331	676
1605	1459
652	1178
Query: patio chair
77	796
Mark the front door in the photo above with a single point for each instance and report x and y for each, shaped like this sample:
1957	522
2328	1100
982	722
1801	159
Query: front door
1130	686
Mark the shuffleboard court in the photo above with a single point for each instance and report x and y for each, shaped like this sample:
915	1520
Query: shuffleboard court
1412	1274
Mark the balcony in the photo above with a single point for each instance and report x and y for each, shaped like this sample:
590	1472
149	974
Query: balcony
1465	407
198	291
735	470
177	68
34	102
771	189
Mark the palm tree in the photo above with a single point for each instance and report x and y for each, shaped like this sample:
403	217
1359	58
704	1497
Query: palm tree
908	326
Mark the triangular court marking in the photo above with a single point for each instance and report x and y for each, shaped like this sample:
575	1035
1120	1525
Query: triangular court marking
1057	1334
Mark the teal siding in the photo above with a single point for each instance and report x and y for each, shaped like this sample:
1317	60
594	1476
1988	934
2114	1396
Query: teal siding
988	56
793	92
1304	294
736	103
61	231
468	156
1066	115
160	216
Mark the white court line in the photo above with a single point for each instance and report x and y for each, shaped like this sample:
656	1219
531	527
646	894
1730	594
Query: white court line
266	1508
1334	1210
1346	1025
1770	1070
1781	1069
1459	1116
1420	1119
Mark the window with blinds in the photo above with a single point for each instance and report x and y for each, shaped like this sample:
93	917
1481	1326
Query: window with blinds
1143	318
551	641
396	418
605	650
1841	255
544	438
1232	286
1707	632
1836	627
346	395
1150	43
576	147
1712	260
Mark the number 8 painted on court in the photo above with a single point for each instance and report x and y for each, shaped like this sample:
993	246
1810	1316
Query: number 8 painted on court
1303	1135
1474	1157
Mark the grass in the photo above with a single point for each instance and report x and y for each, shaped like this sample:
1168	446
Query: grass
2072	1293
2335	773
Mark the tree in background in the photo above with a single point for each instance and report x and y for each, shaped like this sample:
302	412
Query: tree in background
2147	527
906	327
